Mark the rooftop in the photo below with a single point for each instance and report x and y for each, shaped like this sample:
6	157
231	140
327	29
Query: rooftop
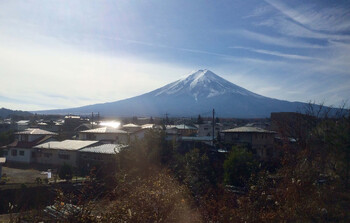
197	138
35	131
105	129
105	148
183	127
67	144
131	125
148	126
248	129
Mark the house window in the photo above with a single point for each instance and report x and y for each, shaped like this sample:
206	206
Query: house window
21	153
5	152
47	155
64	156
14	152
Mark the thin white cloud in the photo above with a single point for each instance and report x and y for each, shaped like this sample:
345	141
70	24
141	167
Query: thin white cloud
274	53
274	40
196	51
333	19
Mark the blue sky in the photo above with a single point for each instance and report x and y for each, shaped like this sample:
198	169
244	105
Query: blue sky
61	54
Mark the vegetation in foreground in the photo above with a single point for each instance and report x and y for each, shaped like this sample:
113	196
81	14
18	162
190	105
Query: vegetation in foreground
154	182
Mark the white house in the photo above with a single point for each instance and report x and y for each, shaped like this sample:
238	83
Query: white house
58	153
21	149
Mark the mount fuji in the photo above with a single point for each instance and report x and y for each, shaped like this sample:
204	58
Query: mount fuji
198	93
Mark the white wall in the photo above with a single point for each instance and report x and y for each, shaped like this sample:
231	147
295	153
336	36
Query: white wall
25	158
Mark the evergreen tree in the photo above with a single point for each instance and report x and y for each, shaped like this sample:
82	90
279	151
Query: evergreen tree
199	120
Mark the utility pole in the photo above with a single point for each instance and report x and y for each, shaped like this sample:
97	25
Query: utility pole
166	119
213	122
92	120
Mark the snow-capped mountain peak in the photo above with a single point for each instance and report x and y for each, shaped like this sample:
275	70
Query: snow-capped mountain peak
202	84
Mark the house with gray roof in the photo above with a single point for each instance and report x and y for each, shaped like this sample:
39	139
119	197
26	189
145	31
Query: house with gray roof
99	155
105	134
58	153
259	141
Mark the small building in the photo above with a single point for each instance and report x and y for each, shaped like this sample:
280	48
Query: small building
257	140
131	127
21	149
99	155
207	129
22	125
183	130
105	134
50	126
59	153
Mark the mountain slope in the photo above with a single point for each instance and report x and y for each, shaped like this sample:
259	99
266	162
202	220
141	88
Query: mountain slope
195	94
5	113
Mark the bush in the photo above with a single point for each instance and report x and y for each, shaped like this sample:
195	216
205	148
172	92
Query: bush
66	172
238	167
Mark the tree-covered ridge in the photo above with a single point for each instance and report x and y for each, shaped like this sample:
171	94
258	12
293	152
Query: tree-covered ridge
6	113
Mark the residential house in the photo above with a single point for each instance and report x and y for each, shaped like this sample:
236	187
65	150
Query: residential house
131	127
257	140
22	125
96	156
183	130
21	149
59	153
140	133
206	129
105	134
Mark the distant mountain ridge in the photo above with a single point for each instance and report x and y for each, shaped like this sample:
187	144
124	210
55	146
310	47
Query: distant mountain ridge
198	93
4	113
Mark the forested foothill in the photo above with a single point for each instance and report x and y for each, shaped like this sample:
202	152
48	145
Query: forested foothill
155	182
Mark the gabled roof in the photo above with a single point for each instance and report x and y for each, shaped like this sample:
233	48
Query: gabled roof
35	131
24	144
105	148
67	144
247	129
105	129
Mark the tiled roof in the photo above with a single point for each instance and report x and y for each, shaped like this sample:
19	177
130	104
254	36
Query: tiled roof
66	144
105	148
105	130
35	131
248	129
